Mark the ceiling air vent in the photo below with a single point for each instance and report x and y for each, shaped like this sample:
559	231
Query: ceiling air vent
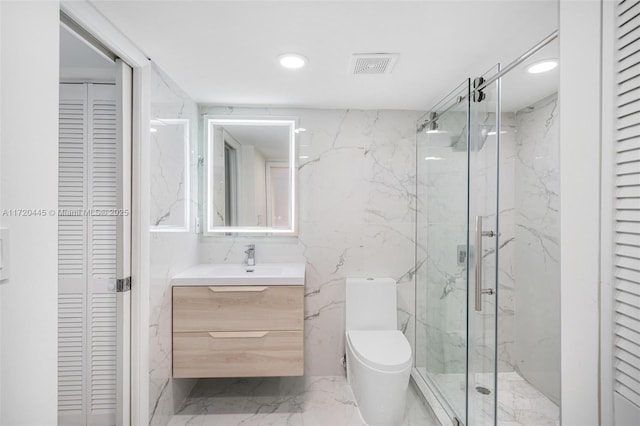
372	63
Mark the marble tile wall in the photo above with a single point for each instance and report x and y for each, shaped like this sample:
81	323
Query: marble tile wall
357	217
537	248
171	252
506	242
440	279
357	204
168	184
484	190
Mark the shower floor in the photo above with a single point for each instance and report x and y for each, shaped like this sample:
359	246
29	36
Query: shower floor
519	403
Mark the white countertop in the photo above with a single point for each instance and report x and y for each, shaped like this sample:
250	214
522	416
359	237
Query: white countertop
234	274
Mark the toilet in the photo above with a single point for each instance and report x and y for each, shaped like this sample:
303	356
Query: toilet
378	354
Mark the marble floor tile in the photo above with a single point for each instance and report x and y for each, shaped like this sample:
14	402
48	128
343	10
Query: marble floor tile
295	401
519	403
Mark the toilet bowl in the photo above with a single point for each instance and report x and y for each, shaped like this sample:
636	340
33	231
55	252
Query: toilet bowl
378	355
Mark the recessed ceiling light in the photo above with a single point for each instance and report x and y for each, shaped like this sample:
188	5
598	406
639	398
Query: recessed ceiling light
292	60
542	66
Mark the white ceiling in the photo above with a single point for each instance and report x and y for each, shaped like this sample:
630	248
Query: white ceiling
520	89
224	52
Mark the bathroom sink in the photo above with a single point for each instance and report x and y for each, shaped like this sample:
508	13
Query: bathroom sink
234	274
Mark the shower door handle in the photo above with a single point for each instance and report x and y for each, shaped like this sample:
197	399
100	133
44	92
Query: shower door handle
479	234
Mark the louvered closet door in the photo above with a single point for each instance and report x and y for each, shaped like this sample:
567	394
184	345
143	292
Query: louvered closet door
72	254
627	215
101	300
87	255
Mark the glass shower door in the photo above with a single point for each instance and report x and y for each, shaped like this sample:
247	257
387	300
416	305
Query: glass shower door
457	244
441	257
484	167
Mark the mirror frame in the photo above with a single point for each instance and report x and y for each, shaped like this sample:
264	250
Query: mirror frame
210	121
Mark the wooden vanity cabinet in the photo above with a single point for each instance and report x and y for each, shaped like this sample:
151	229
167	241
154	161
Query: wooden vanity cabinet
238	331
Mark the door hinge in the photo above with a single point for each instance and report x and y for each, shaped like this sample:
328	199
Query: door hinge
123	285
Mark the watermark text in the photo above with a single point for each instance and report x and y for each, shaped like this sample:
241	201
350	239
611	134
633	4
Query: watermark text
63	212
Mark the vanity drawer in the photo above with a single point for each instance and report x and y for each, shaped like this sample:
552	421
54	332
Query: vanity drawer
238	308
238	354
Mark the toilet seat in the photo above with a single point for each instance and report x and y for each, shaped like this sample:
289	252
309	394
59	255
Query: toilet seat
384	350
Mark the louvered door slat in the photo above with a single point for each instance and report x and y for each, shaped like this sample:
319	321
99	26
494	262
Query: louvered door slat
626	351
628	156
628	192
71	178
72	254
628	180
630	263
103	353
631	107
626	7
70	354
102	250
87	255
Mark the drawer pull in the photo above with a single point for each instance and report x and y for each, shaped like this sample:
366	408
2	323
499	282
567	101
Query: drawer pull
236	289
236	334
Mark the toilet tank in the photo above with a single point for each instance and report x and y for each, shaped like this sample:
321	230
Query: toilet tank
370	304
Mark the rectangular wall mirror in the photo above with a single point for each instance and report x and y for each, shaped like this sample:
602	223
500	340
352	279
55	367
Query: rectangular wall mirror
250	175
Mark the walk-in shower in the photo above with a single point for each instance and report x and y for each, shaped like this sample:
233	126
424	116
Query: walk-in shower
487	342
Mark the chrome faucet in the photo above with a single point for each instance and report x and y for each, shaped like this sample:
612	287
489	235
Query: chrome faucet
251	257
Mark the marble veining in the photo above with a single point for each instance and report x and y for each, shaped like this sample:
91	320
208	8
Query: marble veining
356	209
441	231
315	401
357	206
168	174
528	246
170	252
519	403
537	248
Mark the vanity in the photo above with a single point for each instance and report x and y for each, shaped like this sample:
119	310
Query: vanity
243	320
228	322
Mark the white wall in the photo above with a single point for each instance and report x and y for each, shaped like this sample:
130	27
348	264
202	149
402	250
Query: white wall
579	98
29	181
